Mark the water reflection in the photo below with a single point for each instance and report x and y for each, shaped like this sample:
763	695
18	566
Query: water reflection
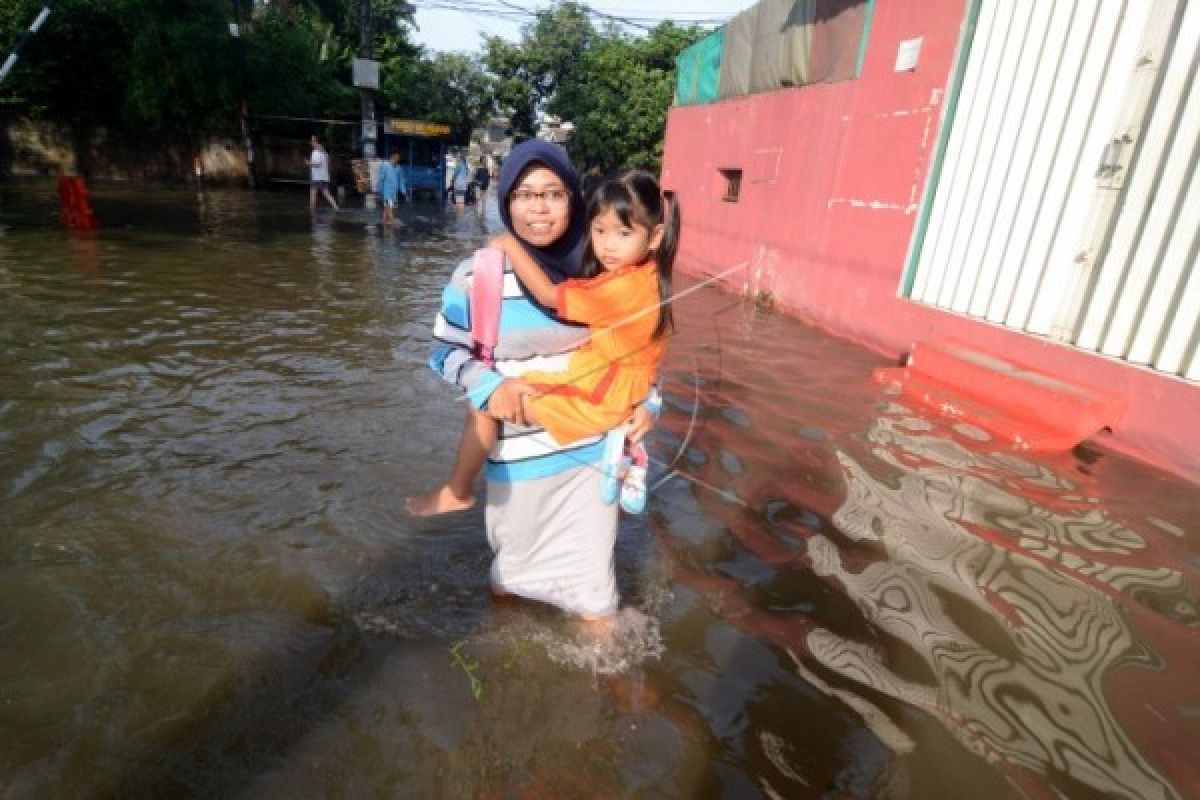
1027	688
322	240
85	255
990	592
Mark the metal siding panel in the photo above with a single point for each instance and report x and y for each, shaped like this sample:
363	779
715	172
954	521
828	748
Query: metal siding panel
1177	246
1150	55
1180	352
1026	125
1088	93
994	20
1193	371
1145	266
1142	190
1047	87
1038	187
989	169
1075	226
1183	327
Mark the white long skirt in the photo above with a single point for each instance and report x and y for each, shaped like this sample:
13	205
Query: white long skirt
553	541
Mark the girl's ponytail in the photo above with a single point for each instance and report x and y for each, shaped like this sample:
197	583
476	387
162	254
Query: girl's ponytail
665	257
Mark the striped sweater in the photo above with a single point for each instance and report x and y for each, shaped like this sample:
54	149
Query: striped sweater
529	339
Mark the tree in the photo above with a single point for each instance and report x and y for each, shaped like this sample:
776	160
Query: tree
144	72
530	74
513	93
458	92
155	73
613	87
151	71
619	97
179	75
297	66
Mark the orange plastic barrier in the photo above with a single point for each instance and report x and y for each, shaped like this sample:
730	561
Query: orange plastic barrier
75	203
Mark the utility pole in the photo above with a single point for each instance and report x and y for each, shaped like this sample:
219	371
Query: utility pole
236	31
366	89
366	78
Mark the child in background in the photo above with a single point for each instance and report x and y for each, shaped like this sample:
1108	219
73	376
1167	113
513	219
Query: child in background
634	230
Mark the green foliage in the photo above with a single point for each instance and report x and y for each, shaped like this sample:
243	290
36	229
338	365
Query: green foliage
342	16
613	87
296	66
619	106
461	93
178	73
530	74
69	70
144	68
168	70
619	96
512	88
556	42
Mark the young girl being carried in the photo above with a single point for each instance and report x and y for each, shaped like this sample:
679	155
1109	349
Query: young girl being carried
634	230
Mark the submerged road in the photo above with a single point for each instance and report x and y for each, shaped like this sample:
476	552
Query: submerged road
211	410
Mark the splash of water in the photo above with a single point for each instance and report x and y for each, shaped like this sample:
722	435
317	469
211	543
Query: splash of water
636	638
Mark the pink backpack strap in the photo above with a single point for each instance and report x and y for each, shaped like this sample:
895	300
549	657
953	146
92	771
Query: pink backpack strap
487	291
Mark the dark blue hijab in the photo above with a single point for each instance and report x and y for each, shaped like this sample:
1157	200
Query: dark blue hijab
563	258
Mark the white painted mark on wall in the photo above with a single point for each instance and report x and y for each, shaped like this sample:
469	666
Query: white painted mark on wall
925	133
873	205
900	112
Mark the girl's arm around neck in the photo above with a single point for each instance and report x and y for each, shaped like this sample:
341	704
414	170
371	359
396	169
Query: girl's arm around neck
534	279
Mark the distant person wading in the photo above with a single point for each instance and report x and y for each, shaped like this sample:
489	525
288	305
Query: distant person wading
318	175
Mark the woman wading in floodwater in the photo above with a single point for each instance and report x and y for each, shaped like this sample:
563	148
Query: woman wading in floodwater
550	530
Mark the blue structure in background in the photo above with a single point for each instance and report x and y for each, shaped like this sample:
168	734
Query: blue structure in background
422	149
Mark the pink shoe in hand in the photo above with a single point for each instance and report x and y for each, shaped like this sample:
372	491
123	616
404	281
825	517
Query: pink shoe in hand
633	490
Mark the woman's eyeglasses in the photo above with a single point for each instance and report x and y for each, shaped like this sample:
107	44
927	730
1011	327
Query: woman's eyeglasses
553	197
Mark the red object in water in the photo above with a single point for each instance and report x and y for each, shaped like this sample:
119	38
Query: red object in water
76	205
1026	408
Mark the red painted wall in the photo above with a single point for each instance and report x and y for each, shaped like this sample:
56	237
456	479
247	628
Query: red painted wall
832	177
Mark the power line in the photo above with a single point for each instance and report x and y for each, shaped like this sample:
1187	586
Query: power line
590	11
644	20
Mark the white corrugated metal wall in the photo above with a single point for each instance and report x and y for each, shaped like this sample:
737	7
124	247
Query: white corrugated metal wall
1066	203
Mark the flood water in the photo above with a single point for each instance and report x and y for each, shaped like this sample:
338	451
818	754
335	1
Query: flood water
211	410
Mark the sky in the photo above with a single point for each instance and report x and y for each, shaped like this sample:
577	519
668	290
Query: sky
441	28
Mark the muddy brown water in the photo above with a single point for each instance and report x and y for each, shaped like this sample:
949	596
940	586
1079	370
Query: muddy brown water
211	409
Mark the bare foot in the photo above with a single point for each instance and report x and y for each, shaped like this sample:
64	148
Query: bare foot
442	500
599	628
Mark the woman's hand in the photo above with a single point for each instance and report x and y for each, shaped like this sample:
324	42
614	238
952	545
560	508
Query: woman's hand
505	403
640	423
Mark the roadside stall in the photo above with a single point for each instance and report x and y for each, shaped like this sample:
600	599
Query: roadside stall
422	149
